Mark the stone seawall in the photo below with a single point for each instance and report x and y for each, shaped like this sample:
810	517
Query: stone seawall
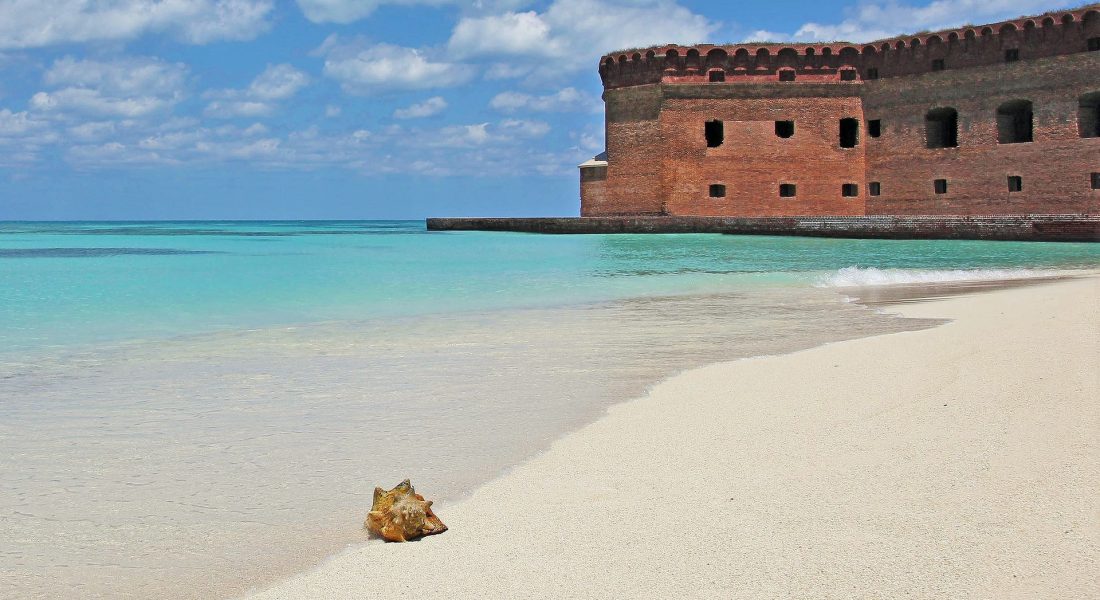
1047	228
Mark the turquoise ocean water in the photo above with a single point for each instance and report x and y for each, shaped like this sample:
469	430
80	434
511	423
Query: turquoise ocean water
76	283
192	409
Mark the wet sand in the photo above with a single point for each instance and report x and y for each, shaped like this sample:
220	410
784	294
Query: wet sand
957	461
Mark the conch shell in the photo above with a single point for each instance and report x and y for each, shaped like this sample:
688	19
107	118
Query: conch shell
400	514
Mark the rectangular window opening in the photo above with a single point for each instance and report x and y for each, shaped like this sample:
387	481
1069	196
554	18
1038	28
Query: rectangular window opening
784	129
874	188
940	185
717	76
941	127
717	190
872	73
848	75
1015	183
1094	44
786	75
1012	55
849	133
787	190
938	65
715	132
849	190
1088	115
874	128
1096	181
1015	122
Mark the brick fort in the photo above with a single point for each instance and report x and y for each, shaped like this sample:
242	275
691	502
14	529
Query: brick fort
992	120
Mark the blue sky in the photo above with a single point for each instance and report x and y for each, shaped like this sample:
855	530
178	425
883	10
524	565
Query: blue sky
257	109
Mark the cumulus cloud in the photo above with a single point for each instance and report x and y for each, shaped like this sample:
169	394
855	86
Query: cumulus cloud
524	128
427	108
565	100
876	20
22	137
365	68
480	148
260	98
124	87
570	34
37	23
278	82
347	11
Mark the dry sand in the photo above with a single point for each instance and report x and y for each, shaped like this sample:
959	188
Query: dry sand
961	461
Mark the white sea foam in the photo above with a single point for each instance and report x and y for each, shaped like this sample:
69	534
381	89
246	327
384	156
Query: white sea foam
870	276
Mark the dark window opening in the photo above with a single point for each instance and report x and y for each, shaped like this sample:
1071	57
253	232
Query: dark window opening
787	190
786	75
940	185
874	128
1012	55
938	65
941	127
874	188
717	190
872	73
1096	181
1088	115
849	190
849	133
717	76
1014	122
848	75
784	129
715	132
1094	44
1015	183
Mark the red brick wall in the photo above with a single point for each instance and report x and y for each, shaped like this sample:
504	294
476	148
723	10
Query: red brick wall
753	161
657	104
633	147
1055	167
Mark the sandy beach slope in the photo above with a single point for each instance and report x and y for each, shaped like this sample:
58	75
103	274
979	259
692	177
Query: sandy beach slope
957	462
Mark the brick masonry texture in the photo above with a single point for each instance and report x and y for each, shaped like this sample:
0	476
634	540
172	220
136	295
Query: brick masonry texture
657	101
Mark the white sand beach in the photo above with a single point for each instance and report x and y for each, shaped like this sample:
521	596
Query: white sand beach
961	461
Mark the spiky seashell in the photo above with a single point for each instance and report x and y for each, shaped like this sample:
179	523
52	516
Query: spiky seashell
400	514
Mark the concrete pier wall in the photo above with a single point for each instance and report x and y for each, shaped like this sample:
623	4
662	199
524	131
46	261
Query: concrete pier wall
1064	228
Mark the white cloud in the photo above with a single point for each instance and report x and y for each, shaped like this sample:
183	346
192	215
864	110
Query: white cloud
277	82
347	11
876	20
365	69
509	33
571	34
124	87
228	109
479	148
120	76
565	100
91	101
18	124
37	23
332	111
427	108
524	128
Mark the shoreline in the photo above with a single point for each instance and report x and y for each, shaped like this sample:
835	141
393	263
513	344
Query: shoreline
561	523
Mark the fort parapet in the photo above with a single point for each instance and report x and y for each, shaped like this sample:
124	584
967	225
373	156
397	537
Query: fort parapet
1000	119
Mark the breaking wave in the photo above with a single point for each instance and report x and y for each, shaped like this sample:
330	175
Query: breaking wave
870	276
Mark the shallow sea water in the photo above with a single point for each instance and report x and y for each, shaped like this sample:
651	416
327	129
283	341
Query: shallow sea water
186	416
